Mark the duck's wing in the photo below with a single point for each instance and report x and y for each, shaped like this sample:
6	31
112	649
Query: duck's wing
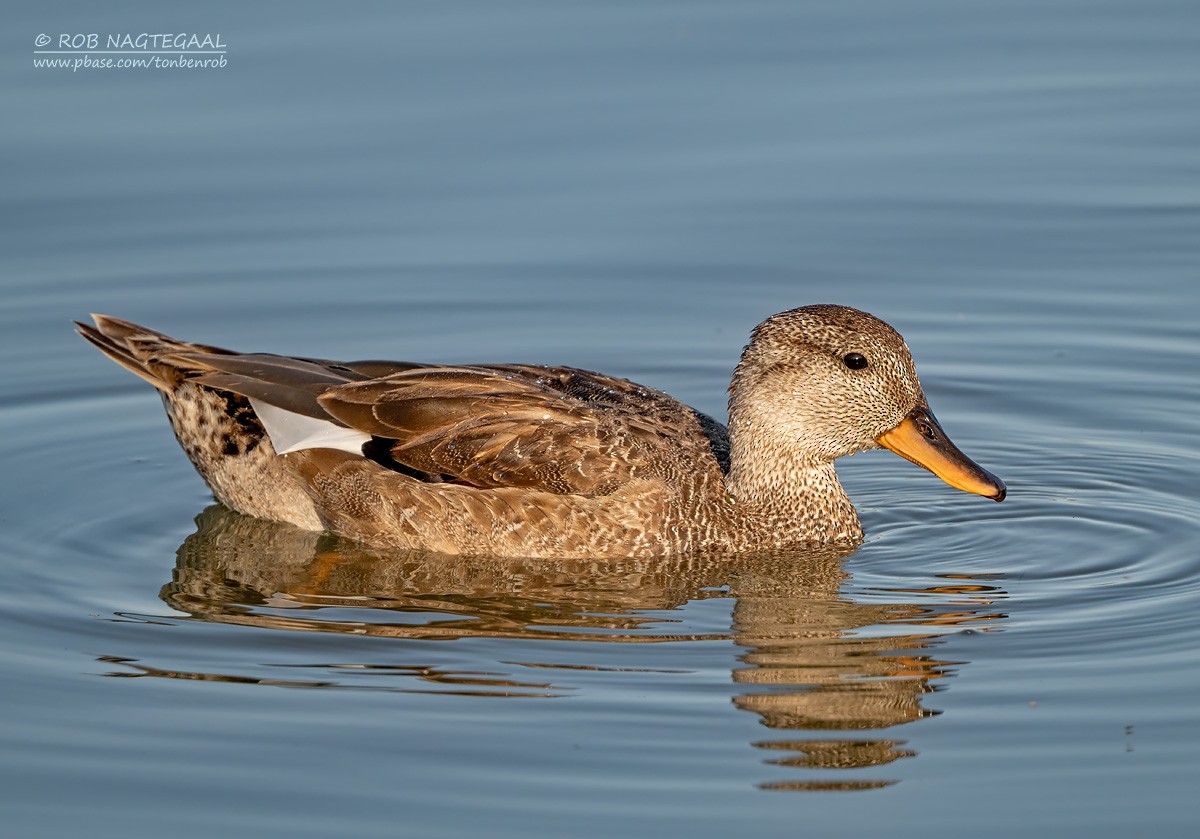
293	384
555	430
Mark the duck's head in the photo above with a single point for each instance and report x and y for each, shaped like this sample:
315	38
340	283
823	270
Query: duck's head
828	381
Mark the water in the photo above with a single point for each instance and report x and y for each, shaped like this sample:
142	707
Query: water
630	188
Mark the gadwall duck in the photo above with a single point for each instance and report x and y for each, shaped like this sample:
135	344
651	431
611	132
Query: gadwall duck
518	460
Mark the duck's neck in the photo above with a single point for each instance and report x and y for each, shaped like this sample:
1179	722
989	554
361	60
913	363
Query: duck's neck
797	497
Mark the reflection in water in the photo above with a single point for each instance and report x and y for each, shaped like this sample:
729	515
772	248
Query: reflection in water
813	660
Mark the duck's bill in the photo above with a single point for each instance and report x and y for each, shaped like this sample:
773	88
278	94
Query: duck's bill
920	439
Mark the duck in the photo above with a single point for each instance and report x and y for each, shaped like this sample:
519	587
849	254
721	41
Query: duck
519	460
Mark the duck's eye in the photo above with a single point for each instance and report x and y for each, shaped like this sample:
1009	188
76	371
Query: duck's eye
855	361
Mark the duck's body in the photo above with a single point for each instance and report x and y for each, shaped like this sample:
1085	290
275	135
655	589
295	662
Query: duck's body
521	460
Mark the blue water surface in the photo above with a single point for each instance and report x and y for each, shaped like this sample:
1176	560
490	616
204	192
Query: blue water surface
628	187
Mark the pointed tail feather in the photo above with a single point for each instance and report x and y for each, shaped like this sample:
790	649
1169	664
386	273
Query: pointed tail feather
292	384
144	352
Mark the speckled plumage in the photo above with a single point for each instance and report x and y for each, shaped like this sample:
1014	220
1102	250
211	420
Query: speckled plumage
520	460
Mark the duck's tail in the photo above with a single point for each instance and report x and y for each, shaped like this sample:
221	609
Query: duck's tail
151	355
215	423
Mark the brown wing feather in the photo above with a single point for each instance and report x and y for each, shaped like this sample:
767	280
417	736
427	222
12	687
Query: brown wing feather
519	426
285	382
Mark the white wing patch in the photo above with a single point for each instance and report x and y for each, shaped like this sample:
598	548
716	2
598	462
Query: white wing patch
292	432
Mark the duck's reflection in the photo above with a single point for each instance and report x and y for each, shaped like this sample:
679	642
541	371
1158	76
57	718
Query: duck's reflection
813	660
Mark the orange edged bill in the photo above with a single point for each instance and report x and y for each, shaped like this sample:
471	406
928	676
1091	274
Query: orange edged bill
920	438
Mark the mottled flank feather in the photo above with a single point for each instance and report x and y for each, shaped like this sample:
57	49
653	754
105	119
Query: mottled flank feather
521	460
